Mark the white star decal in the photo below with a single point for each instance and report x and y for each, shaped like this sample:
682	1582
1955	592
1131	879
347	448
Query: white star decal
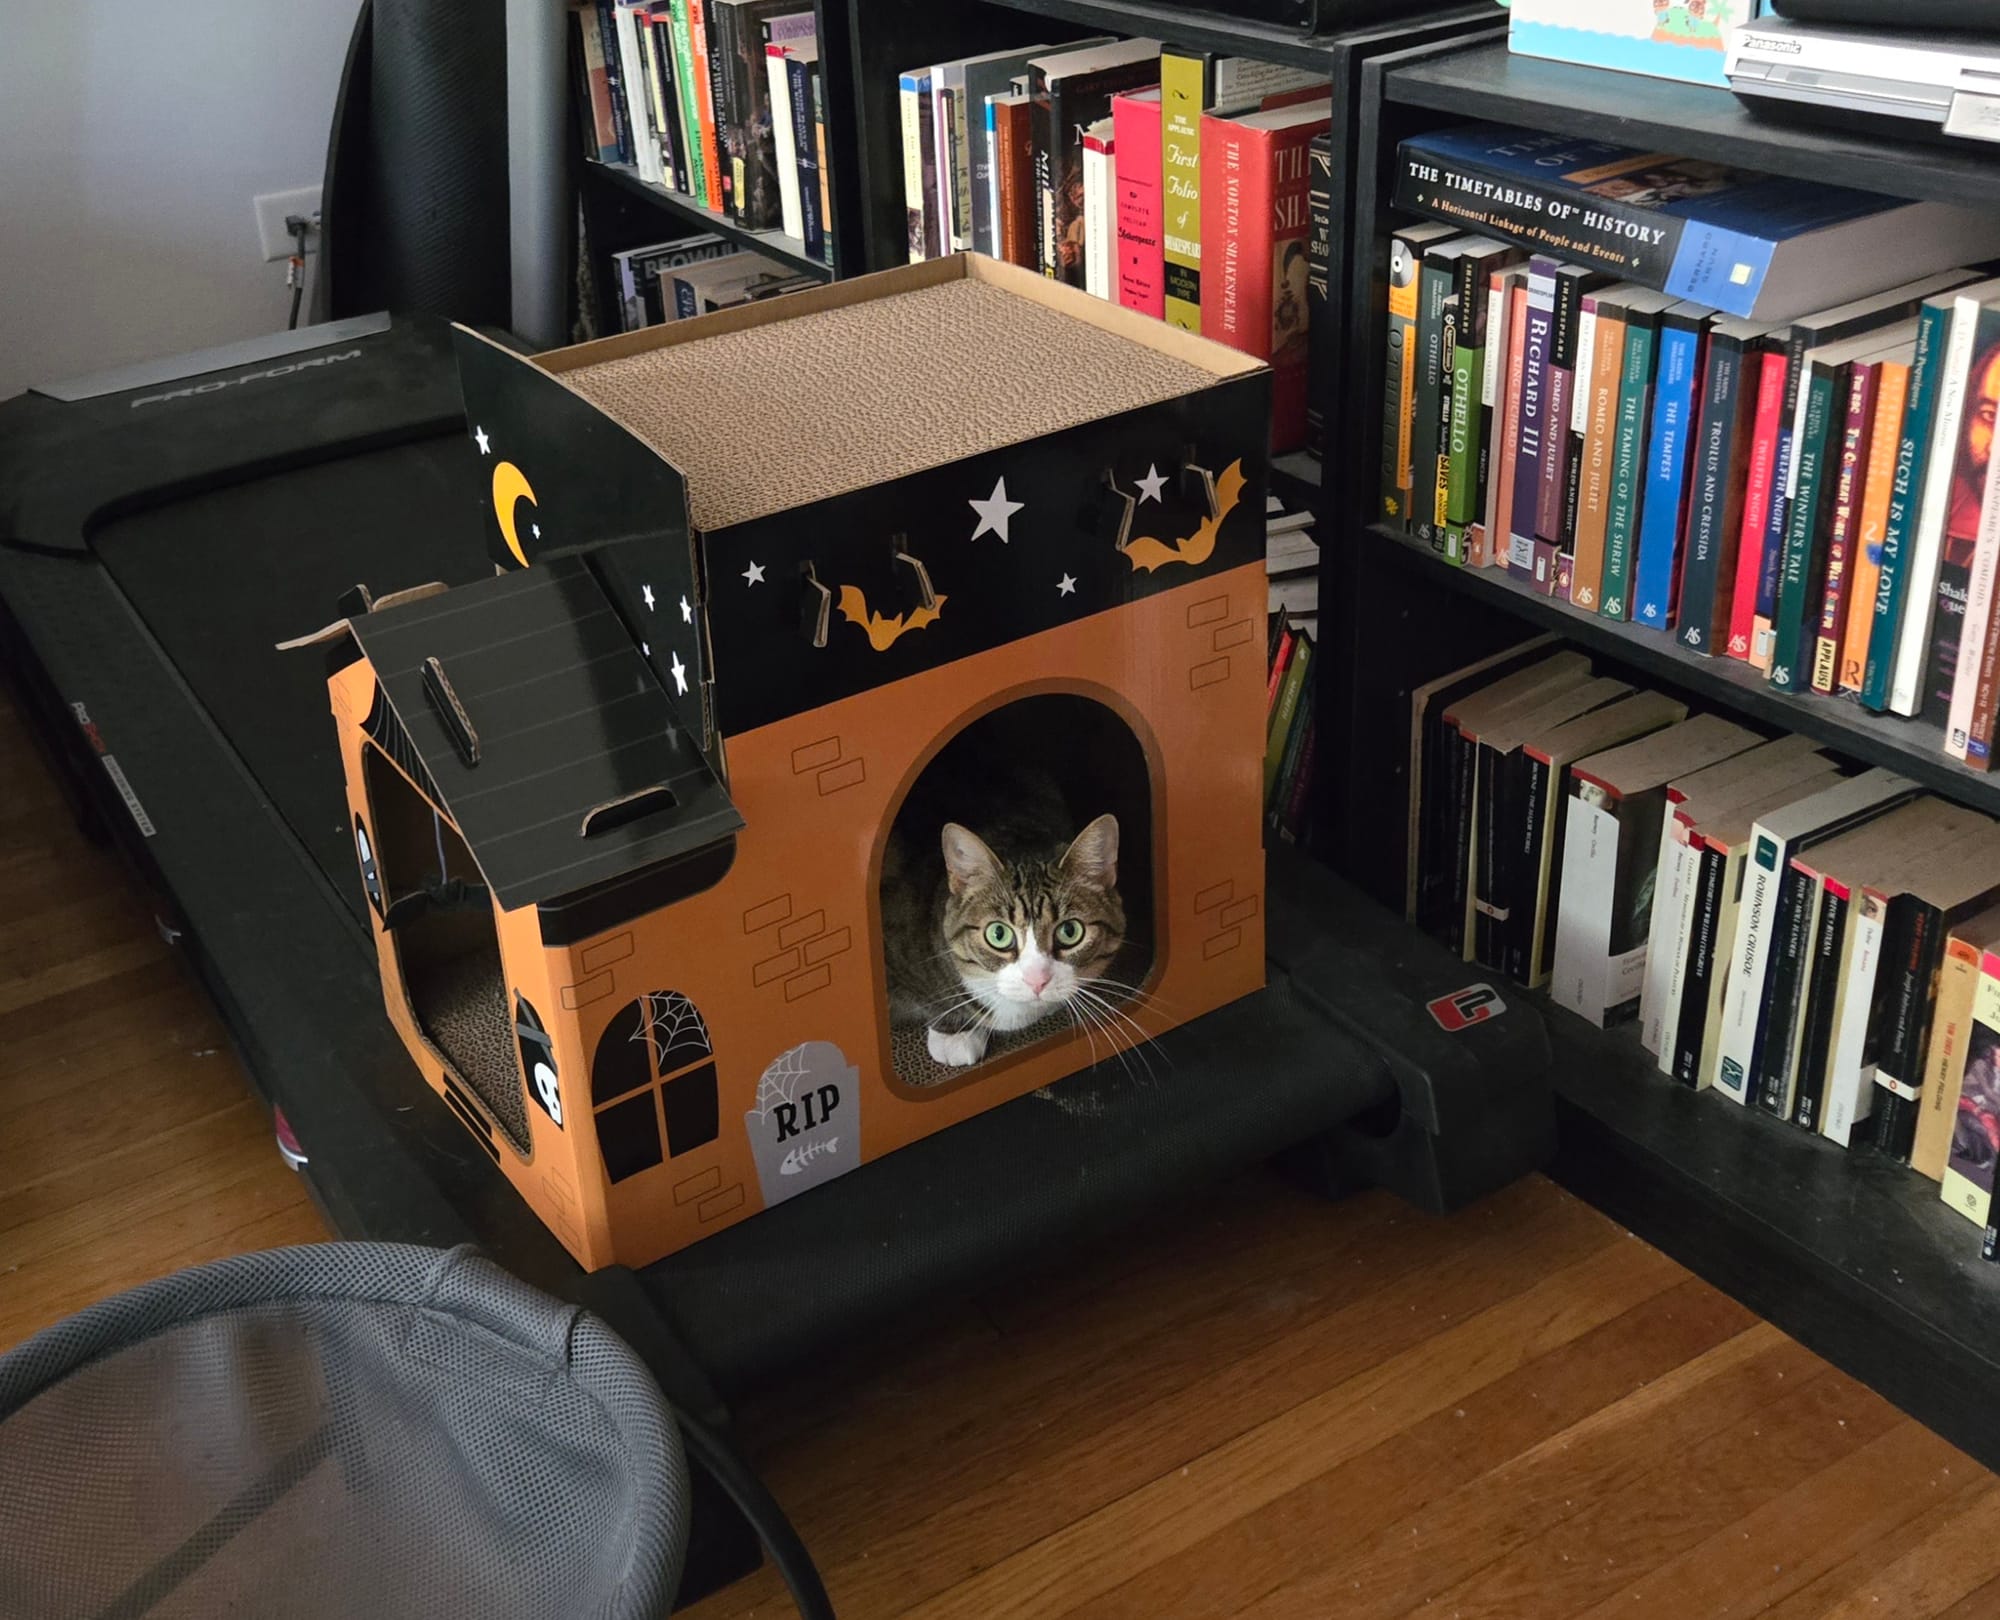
680	675
1151	485
754	574
645	649
994	512
535	529
646	595
1066	586
479	438
687	613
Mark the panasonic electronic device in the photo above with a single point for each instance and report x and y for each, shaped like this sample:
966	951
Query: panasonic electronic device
1945	83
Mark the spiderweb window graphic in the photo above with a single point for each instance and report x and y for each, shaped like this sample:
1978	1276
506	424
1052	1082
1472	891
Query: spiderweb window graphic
658	1042
679	1034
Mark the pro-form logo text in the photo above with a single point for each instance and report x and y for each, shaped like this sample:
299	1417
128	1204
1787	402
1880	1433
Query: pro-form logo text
1475	1004
221	383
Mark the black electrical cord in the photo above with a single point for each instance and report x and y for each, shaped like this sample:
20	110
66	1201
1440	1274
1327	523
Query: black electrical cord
295	271
782	1545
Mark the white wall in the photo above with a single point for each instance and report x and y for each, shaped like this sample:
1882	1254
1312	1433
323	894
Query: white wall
133	134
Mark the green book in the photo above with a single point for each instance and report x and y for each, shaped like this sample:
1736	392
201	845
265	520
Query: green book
1185	81
689	109
1628	454
1933	326
1799	567
1288	706
1432	390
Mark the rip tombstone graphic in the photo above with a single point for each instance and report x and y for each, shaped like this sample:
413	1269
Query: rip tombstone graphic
806	1126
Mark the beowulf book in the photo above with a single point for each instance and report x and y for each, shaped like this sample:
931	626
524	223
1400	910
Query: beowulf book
1756	246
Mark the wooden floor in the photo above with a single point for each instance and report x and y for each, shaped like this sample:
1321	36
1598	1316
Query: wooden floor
1262	1406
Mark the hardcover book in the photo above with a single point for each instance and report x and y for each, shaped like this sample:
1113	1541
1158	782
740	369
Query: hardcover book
1069	90
1756	246
1253	294
1135	128
1975	1145
1014	177
1951	1029
1100	211
744	127
919	164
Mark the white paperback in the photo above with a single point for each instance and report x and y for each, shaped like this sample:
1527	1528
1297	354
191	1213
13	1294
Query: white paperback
1773	841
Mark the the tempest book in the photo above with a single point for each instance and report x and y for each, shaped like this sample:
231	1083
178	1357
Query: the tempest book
1626	498
1757	246
1610	842
1676	399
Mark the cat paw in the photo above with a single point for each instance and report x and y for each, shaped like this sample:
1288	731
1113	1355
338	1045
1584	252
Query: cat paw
956	1050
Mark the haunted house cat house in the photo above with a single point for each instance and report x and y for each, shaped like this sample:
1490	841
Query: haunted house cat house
621	809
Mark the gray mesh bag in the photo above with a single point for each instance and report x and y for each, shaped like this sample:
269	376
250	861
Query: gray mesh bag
346	1429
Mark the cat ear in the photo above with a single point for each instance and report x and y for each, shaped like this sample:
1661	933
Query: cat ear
966	860
1093	858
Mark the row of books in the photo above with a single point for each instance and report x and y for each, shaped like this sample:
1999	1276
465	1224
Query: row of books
1807	495
1291	726
1174	182
1818	943
695	275
720	100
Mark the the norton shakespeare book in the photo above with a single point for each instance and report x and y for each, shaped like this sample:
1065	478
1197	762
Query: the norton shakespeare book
1756	246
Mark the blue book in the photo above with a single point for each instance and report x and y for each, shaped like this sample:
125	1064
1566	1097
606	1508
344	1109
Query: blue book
1757	246
1675	400
1530	446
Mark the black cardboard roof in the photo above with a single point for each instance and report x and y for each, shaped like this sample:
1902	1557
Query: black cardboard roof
568	717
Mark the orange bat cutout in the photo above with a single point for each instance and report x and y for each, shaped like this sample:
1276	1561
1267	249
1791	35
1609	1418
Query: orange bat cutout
1148	553
882	633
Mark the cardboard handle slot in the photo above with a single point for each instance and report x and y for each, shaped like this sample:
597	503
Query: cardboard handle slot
651	801
457	723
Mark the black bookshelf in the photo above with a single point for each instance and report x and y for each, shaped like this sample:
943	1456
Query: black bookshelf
1690	121
1852	1253
690	215
1912	747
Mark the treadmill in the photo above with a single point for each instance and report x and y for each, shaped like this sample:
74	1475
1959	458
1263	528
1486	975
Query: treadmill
164	527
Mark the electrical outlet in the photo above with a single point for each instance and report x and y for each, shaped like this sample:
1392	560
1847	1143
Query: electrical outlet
272	209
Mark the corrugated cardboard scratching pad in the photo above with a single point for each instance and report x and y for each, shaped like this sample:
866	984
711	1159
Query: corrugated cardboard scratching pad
778	415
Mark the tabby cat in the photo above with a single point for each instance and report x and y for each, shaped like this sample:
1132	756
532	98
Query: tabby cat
996	933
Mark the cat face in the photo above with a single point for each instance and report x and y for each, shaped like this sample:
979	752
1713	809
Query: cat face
1024	936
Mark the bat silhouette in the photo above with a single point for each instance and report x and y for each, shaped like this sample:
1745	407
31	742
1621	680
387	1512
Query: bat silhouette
1146	553
883	632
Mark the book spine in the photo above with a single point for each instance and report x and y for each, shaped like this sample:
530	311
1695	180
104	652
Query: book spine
1638	243
1635	397
1463	825
1527	833
1944	1067
689	70
1553	502
915	204
1791	945
1282	716
1584	975
990	232
1292	821
791	215
1816	1045
1892	392
1184	82
597	71
805	156
1235	191
1802	531
1468	384
1014	157
1098	205
1446	537
1969	1166
1136	137
1433	288
1749	961
656	44
1894	597
1319	285
1842	541
701	70
1500	502
1399	380
632	77
1710	566
1523	529
1751	568
614	82
830	256
1674	402
1697	993
1937	586
1912	949
1850	1075
1288	763
1983	665
962	128
1670	875
1042	117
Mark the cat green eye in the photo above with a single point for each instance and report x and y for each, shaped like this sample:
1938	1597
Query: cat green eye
1000	936
1069	932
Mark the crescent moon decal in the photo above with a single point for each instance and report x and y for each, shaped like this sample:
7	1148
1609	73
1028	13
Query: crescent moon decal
510	486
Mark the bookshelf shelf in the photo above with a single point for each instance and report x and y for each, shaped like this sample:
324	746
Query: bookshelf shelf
1689	121
1230	36
772	244
1850	1252
1908	746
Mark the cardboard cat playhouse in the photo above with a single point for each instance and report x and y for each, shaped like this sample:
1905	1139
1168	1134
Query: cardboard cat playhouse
765	581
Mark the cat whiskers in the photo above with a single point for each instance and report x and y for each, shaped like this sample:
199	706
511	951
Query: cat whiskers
1126	1036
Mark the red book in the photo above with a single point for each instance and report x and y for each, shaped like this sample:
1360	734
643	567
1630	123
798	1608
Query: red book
1254	183
1855	444
1278	664
1138	264
1757	503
